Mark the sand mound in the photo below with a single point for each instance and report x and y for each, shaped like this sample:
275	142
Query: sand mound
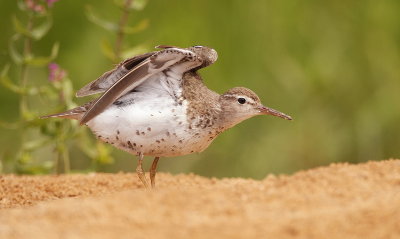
339	201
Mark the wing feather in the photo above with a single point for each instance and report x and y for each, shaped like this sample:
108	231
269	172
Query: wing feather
106	80
154	64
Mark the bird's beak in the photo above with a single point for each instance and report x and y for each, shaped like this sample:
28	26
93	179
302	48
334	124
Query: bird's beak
268	111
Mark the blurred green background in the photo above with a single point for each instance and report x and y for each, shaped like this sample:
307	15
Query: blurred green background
334	66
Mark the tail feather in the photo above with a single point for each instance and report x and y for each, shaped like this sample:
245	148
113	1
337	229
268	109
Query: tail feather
67	114
75	113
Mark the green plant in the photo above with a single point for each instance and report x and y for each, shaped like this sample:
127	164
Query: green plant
119	50
36	134
32	24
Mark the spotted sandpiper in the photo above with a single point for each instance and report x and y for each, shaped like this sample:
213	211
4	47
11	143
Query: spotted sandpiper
156	104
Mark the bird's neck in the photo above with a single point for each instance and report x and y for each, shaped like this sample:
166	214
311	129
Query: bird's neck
206	106
227	119
203	103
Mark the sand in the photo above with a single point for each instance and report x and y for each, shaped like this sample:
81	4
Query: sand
338	201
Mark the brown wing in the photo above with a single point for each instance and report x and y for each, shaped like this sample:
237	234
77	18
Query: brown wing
106	80
156	63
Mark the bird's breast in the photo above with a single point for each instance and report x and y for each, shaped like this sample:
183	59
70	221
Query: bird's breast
157	126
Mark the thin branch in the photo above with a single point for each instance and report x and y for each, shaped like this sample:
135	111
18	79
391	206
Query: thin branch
121	24
24	67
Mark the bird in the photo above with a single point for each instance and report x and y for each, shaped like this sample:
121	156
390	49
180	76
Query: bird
156	104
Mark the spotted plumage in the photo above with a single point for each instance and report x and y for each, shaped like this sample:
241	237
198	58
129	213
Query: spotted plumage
156	104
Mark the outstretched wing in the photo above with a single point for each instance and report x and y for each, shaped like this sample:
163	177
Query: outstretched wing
128	76
106	80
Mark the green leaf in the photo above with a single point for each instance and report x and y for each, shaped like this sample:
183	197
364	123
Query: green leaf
32	90
54	50
139	27
18	27
99	21
41	30
24	157
136	50
108	50
4	72
38	61
104	151
7	83
35	144
138	4
15	55
43	60
34	169
85	143
29	117
38	32
134	4
68	92
48	129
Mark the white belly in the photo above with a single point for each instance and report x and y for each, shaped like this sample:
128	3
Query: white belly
155	126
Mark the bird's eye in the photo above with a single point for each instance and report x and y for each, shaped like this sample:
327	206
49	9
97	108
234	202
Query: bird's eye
242	100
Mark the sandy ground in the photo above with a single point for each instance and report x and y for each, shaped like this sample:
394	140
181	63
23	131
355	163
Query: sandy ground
339	201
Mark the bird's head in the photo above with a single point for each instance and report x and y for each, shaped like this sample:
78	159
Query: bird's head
239	103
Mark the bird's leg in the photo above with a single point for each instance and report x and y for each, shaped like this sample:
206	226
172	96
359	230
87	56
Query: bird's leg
140	172
153	172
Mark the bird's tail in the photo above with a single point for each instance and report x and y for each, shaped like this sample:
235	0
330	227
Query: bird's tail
67	114
75	113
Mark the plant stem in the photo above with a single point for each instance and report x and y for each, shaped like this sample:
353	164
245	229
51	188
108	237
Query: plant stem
67	164
62	155
63	149
24	68
121	24
23	105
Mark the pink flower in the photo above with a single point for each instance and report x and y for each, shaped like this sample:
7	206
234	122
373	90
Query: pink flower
51	2
56	73
34	6
39	6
